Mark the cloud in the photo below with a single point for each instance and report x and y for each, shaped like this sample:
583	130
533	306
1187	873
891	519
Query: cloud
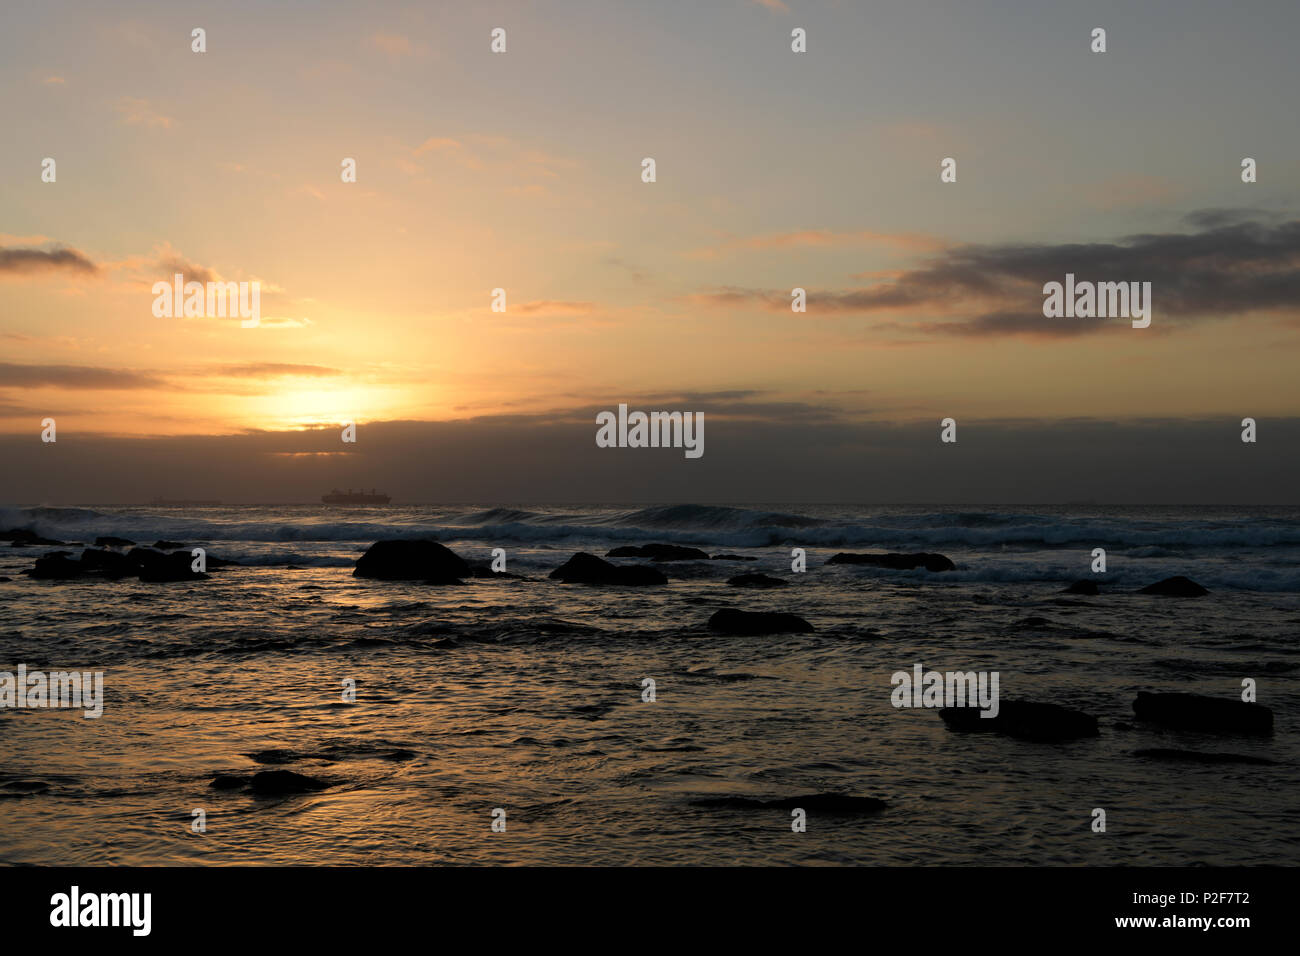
33	261
776	5
75	376
271	369
138	112
1232	263
393	44
554	307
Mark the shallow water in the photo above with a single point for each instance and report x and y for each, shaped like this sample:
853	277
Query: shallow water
526	694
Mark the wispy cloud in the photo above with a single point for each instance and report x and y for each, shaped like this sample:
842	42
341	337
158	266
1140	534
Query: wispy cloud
138	112
35	261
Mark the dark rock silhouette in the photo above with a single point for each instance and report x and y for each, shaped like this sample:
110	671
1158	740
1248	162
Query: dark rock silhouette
733	557
108	541
830	803
154	567
229	781
897	562
167	545
284	781
1177	586
658	552
733	621
1223	715
1082	586
24	537
56	567
756	581
1023	720
1197	756
110	564
584	568
411	561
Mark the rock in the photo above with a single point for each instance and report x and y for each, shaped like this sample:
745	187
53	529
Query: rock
109	564
1197	756
1023	720
23	537
1082	586
733	621
756	581
154	567
108	541
411	561
4	580
1177	586
584	568
659	552
166	545
733	557
1224	715
227	781
829	803
284	781
897	562
57	567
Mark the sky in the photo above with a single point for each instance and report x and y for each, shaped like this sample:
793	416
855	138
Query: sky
522	171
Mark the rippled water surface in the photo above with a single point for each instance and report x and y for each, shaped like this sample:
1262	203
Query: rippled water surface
526	694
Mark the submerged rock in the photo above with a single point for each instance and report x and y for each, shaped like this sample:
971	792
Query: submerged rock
659	552
167	545
897	562
733	557
831	803
733	621
1222	715
756	581
1198	756
1177	586
584	568
1082	586
108	541
1023	720
229	781
284	781
23	537
411	561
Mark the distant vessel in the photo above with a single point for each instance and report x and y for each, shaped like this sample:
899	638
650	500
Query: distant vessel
184	503
351	497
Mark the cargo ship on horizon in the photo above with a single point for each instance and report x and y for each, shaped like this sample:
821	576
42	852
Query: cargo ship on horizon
351	497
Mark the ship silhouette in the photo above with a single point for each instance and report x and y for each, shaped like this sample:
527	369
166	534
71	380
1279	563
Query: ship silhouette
351	497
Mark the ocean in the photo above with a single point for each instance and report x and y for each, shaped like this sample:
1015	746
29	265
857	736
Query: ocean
525	695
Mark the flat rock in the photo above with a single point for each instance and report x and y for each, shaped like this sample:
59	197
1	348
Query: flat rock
756	581
1223	715
1023	720
402	560
1198	756
23	537
284	781
659	552
733	621
829	803
1177	586
897	562
584	568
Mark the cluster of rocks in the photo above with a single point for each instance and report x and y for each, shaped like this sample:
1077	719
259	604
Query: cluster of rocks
1177	586
100	563
1029	720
